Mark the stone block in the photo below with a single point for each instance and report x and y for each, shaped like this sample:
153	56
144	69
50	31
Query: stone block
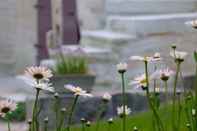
148	24
136	7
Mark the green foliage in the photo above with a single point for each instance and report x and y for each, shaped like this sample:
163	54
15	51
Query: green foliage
195	56
142	121
71	65
19	114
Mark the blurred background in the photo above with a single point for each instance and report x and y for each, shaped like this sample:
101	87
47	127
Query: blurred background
106	31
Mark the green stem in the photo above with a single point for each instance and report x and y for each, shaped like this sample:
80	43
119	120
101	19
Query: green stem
123	102
45	126
166	90
174	96
71	113
61	122
57	111
34	115
195	87
98	117
160	125
179	113
8	121
82	126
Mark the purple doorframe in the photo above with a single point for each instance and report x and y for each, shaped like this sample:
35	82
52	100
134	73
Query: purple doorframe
44	24
71	29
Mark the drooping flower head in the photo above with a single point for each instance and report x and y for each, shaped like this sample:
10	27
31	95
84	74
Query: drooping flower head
38	73
120	111
106	97
139	81
155	57
88	123
110	120
77	91
163	74
7	106
122	67
178	55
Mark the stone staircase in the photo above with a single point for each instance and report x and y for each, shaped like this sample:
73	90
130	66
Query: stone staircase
128	20
138	7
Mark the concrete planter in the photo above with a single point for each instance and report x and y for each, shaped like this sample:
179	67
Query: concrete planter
85	81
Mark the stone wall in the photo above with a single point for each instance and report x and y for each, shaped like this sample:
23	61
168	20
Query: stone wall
91	13
17	35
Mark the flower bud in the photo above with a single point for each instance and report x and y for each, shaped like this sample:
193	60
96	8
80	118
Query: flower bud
122	67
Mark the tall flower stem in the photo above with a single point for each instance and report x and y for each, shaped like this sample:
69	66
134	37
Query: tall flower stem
98	118
8	122
34	115
71	112
166	90
179	112
82	126
195	87
160	125
174	96
45	126
57	113
123	102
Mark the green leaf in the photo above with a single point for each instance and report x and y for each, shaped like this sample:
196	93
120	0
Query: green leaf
195	56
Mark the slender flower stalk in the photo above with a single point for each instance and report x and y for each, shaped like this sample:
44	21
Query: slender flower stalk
105	99
57	111
179	111
122	67
174	96
8	121
34	115
77	92
71	112
160	124
83	121
62	119
29	123
110	122
46	120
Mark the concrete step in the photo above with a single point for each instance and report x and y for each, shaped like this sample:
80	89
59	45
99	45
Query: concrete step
150	23
104	38
150	6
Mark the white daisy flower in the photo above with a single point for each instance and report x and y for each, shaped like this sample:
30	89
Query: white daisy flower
77	91
156	57
178	55
120	110
7	106
106	97
110	120
163	74
38	73
44	86
121	67
192	23
139	81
